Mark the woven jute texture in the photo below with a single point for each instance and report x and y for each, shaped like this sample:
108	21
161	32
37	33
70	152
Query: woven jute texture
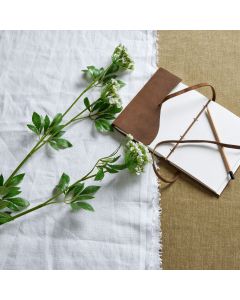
201	231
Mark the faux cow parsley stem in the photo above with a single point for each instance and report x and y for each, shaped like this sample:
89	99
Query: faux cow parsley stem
101	111
75	194
135	159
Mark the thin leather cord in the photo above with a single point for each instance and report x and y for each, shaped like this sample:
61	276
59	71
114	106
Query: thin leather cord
176	175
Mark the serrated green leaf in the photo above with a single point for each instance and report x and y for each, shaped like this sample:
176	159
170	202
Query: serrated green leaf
46	123
100	175
36	119
91	73
114	109
83	197
15	180
118	167
62	143
3	204
97	104
54	145
111	159
87	103
17	204
13	191
56	120
121	83
81	205
90	190
59	134
106	116
103	125
78	189
1	180
55	130
4	190
33	128
23	203
111	171
104	106
42	124
72	187
4	218
63	182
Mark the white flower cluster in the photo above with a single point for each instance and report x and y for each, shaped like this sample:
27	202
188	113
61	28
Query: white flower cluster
110	91
121	58
136	155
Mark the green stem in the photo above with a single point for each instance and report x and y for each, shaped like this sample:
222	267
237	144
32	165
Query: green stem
83	92
32	151
41	142
29	210
49	201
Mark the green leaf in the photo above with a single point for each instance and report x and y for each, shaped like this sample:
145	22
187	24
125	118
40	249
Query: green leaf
104	106
114	109
110	159
100	175
103	125
121	83
83	197
106	116
46	123
62	143
78	189
111	171
91	190
92	72
3	204
15	180
4	218
53	145
81	205
4	190
113	159
56	129
36	119
97	105
118	167
56	120
20	202
17	204
1	180
87	103
63	182
13	191
33	128
59	134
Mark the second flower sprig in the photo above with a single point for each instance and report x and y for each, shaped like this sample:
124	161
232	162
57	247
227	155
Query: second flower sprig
136	157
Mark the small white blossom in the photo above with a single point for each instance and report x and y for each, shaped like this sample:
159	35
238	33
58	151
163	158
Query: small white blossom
136	155
115	101
129	137
110	93
122	59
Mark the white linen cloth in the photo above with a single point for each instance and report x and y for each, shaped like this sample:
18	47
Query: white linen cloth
41	71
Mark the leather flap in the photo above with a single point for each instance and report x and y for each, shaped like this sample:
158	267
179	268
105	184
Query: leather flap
141	116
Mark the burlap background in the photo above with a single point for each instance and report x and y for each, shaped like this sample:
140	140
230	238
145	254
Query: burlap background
201	231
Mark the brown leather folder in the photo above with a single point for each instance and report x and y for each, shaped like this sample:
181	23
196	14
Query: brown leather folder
141	116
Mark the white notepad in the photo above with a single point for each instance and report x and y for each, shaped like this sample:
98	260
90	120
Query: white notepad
203	162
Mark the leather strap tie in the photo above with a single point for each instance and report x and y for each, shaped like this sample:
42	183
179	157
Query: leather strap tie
181	141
